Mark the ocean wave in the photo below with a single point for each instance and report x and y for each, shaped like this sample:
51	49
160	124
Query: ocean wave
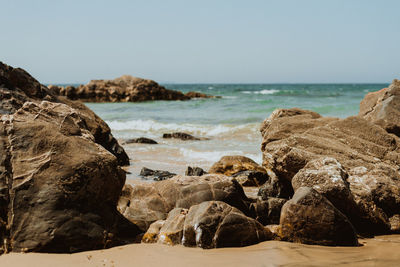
262	92
153	126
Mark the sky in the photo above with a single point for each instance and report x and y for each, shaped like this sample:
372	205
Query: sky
207	41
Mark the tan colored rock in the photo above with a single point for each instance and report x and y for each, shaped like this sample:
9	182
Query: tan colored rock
230	165
383	107
145	204
367	152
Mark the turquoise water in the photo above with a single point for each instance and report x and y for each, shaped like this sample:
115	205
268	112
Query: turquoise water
231	122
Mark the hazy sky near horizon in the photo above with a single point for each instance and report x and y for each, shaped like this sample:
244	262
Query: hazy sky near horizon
205	41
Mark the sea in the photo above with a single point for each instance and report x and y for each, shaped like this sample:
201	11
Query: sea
231	123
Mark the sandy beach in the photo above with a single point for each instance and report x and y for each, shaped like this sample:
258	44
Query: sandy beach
378	251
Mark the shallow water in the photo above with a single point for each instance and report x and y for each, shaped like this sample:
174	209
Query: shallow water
231	122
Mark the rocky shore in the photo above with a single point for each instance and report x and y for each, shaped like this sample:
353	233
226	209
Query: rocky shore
123	89
323	181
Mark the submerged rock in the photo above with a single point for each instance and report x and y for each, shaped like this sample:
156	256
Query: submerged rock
310	218
141	140
156	175
181	136
59	183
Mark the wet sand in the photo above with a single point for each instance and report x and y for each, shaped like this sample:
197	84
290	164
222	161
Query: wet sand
378	251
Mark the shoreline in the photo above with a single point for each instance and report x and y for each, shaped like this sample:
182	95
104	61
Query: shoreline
377	251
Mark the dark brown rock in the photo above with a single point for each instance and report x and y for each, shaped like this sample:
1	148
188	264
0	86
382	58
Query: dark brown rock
18	87
367	152
267	211
194	171
251	178
310	218
156	175
145	204
123	89
62	183
230	165
275	187
141	140
383	108
215	224
179	135
59	183
199	95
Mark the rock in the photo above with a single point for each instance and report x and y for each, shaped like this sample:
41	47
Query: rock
251	178
141	140
230	165
156	175
395	224
169	231
275	187
370	156
123	89
194	171
215	224
18	87
267	211
275	229
327	177
310	218
199	95
147	203
182	136
59	183
383	108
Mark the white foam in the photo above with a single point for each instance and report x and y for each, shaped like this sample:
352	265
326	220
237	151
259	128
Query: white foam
262	92
152	126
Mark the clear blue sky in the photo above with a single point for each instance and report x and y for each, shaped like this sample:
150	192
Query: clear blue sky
204	40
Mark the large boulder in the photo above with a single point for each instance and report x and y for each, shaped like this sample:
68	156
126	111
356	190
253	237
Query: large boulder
369	155
122	89
60	178
383	108
310	218
215	224
146	203
18	87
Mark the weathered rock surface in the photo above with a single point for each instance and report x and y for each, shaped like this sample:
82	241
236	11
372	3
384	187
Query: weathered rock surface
123	89
141	140
18	87
145	204
194	171
181	136
267	211
230	165
215	224
156	175
369	155
169	231
310	218
251	178
383	108
59	183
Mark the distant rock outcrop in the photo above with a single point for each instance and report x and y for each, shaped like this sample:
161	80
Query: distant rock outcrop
123	89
